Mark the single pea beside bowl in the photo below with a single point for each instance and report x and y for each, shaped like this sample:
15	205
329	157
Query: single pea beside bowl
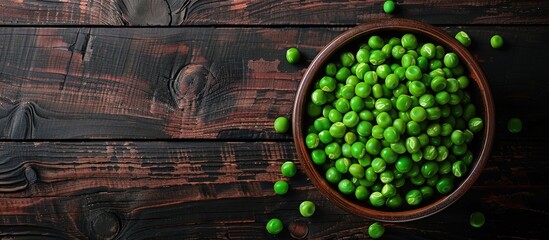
393	120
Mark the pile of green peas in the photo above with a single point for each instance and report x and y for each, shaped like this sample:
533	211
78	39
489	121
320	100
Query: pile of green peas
390	123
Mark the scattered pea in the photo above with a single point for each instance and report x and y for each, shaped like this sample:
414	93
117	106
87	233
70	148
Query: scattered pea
293	55
281	187
514	125
463	38
307	208
496	41
477	219
376	230
274	226
281	125
288	169
389	6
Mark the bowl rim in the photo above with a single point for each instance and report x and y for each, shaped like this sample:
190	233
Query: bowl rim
409	26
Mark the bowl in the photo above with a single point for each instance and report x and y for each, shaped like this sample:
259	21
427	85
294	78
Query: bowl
480	95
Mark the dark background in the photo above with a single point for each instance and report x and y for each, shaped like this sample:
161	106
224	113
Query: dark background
153	119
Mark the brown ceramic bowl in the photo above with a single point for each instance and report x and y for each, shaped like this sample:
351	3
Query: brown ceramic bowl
478	89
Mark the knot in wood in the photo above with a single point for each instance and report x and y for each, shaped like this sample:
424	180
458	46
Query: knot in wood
30	175
21	121
105	225
190	85
298	229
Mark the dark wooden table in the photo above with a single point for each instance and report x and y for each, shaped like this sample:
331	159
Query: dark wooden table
112	131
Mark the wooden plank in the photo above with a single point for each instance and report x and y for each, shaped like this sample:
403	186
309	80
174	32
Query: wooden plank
248	12
139	190
226	83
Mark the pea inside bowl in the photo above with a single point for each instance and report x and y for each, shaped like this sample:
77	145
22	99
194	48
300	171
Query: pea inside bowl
393	120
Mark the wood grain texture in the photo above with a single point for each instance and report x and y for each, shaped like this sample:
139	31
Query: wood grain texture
225	83
248	12
193	190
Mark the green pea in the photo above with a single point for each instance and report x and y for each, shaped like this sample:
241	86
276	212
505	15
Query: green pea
342	165
346	150
414	197
318	156
391	135
375	42
445	185
356	170
331	69
409	41
327	84
417	88
459	168
387	49
388	155
407	60
362	56
413	128
288	169
413	73
444	167
398	147
412	144
293	55
307	208
335	116
373	146
457	137
477	219
362	193
370	77
366	115
454	99
427	100
394	201
476	124
451	60
463	82
392	81
383	105
463	38
442	153
377	57
350	137
422	63
433	129
377	91
435	64
274	226
281	125
442	97
312	140
352	80
438	84
325	137
514	125
346	187
388	190
398	52
377	199
318	97
350	119
333	176
313	110
281	187
337	130
342	74
418	180
389	6
429	169
403	164
428	50
426	192
418	114
431	182
423	139
347	92
496	41
347	59
342	105
358	150
378	165
333	150
364	128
